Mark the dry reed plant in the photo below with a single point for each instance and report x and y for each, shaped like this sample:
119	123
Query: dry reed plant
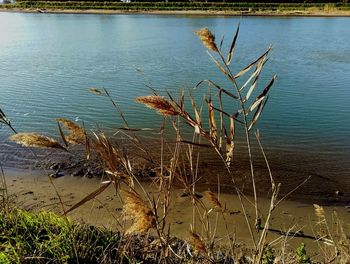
214	201
159	104
197	243
76	133
207	38
138	211
36	140
222	138
333	242
217	131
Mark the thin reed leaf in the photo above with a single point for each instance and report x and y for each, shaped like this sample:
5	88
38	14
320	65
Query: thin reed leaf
219	65
230	143
196	144
232	48
62	134
197	114
251	65
267	88
212	122
255	105
258	113
217	87
89	197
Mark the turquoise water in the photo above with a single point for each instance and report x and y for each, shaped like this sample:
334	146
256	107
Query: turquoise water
48	62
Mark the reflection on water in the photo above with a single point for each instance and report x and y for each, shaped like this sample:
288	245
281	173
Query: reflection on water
48	62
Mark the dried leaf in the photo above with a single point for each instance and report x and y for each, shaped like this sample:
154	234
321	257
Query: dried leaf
196	144
247	68
62	134
218	87
92	195
267	88
212	122
258	113
230	143
198	117
233	44
221	68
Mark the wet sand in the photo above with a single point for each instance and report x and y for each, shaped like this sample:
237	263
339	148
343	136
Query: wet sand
32	190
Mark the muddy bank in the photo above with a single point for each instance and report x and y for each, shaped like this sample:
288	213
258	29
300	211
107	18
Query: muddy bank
323	186
33	191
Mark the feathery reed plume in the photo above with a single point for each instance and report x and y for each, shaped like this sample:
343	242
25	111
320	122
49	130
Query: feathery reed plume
213	199
95	91
197	243
76	133
320	213
207	38
158	103
137	210
35	140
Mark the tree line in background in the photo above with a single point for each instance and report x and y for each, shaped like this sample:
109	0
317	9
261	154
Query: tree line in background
197	1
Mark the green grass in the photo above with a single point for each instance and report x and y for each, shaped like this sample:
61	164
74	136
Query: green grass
44	237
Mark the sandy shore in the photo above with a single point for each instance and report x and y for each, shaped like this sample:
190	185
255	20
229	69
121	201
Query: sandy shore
33	191
312	12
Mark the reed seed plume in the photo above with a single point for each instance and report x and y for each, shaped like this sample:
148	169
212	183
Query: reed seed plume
320	213
213	199
95	91
207	38
158	103
36	140
137	210
76	133
197	243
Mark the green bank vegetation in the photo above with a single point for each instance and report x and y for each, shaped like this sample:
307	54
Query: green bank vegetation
246	6
145	234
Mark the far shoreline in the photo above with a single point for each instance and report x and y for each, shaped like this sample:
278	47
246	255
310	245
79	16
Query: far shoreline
281	13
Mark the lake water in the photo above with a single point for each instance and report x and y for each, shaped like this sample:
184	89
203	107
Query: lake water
48	62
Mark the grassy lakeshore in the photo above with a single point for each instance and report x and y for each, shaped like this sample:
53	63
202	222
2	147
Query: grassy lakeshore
183	8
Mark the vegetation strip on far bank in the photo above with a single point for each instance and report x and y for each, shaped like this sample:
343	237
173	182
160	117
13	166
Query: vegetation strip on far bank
245	8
